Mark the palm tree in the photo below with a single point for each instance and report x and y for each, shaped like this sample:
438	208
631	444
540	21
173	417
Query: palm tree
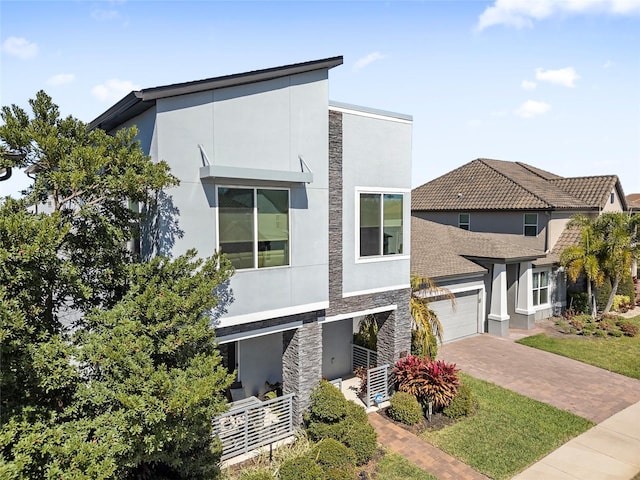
583	259
619	247
426	324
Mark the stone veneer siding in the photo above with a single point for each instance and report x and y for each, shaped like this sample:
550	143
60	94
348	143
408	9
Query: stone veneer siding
394	336
301	365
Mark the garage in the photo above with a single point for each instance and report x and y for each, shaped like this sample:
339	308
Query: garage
461	321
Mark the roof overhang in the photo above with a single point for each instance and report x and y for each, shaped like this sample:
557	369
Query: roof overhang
139	101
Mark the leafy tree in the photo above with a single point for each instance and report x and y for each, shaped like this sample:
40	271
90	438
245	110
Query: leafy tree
582	259
619	248
108	367
426	324
606	249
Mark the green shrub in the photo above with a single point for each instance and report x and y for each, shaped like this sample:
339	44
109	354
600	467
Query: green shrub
577	322
362	439
261	474
330	453
628	328
602	294
300	468
405	408
339	474
417	344
616	333
621	303
462	403
626	287
588	329
607	324
600	333
578	302
333	416
328	404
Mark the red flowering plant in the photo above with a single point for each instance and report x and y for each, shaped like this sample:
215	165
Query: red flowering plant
428	380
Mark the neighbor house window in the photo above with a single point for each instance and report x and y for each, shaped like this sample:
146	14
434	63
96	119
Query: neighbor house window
463	220
380	224
530	224
540	287
612	197
253	226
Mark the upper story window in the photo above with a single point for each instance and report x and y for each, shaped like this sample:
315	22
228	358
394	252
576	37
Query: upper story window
540	287
530	224
464	220
381	229
612	198
253	226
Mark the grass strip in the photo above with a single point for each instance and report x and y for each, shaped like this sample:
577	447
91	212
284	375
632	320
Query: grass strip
508	432
395	467
616	354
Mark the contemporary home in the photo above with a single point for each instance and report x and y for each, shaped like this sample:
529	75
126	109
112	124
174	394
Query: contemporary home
308	199
492	231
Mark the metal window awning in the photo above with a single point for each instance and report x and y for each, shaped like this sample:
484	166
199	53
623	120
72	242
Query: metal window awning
224	172
212	172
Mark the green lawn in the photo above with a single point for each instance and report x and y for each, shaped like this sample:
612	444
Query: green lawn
508	432
395	467
618	355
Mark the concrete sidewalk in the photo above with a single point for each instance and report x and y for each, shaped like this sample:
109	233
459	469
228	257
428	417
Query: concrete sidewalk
610	450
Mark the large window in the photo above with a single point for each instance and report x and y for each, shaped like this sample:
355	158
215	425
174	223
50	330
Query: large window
253	226
540	287
380	224
530	224
464	220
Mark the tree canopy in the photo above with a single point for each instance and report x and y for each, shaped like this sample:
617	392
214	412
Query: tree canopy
108	366
606	248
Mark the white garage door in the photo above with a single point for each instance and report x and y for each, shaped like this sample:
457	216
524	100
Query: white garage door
461	321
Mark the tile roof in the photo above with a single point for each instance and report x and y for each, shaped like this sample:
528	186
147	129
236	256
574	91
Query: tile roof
593	191
633	200
486	184
439	251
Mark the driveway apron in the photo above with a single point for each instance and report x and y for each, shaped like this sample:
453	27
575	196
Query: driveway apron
576	387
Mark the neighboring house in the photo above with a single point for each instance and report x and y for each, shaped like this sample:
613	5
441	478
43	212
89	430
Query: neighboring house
309	200
507	226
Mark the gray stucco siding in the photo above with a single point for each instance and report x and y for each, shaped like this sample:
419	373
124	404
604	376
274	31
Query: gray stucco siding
376	157
508	222
265	125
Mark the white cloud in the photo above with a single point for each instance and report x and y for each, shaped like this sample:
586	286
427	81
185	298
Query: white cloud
364	61
608	64
528	85
105	15
113	89
522	13
61	79
20	47
563	76
532	108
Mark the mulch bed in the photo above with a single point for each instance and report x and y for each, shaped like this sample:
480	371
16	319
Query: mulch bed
438	421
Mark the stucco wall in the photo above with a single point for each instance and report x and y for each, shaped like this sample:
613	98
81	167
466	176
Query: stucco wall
265	125
492	222
376	157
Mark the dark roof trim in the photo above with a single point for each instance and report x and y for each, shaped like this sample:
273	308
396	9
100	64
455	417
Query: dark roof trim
137	102
525	258
460	276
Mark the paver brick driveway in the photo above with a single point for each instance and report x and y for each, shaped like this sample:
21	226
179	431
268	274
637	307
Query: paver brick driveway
587	391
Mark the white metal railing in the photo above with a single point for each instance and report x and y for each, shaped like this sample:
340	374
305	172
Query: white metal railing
378	385
249	425
363	357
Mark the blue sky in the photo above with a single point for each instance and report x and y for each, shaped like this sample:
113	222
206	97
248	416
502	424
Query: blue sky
555	84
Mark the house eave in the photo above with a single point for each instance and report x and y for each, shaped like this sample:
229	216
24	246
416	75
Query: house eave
139	101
